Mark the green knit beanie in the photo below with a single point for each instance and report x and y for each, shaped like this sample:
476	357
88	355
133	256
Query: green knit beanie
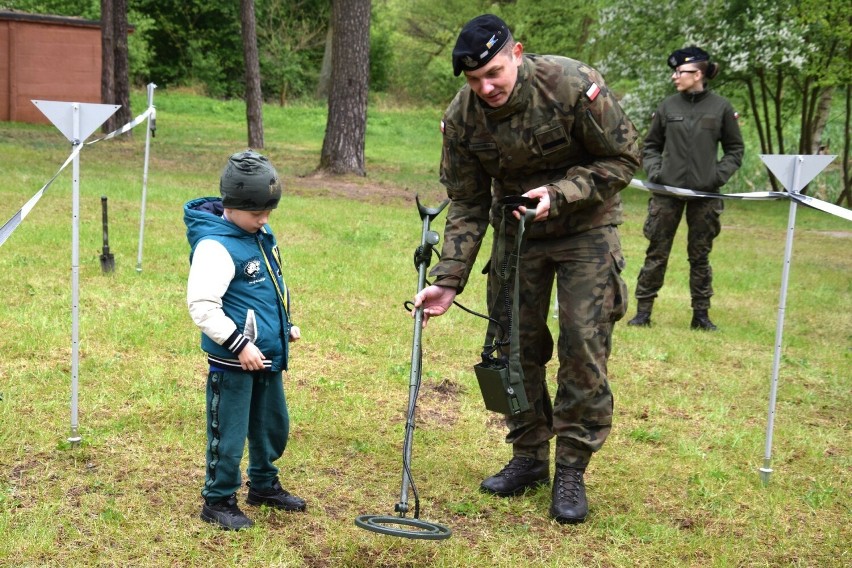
249	182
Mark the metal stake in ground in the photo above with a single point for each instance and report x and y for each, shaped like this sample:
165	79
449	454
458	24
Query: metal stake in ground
107	258
400	525
149	133
794	173
76	121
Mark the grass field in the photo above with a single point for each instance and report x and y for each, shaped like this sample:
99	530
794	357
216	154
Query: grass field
676	484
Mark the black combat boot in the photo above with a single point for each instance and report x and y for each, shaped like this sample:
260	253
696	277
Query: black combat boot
517	476
700	320
569	504
275	497
225	514
641	319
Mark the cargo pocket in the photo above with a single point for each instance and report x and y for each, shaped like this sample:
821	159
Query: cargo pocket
715	215
600	135
617	294
649	229
487	154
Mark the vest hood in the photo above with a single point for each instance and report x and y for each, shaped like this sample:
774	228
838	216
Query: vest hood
203	218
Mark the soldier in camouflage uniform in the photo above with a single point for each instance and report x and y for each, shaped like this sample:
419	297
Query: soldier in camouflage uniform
680	150
545	127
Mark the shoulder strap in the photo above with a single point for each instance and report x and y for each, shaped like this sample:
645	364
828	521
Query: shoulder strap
505	273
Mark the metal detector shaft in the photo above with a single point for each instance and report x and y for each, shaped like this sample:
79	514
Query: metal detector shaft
428	239
400	526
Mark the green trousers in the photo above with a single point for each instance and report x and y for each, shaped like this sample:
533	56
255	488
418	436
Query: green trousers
244	406
592	296
704	225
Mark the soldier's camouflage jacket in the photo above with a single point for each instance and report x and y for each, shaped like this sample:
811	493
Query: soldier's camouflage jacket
561	127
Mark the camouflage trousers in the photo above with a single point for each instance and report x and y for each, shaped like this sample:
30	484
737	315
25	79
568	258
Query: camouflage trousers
664	215
592	296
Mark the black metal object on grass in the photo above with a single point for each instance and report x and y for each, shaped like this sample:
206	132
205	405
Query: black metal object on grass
107	258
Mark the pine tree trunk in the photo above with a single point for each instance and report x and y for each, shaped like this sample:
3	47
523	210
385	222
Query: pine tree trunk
107	57
325	71
254	96
345	132
122	71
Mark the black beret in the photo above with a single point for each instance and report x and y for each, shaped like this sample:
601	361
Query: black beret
689	54
480	40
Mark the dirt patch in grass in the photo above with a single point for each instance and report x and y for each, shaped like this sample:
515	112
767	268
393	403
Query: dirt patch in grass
358	188
349	187
835	234
439	407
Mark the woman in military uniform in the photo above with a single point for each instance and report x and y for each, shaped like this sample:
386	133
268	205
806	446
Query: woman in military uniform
681	150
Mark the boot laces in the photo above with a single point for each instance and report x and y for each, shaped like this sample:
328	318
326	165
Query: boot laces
516	464
568	483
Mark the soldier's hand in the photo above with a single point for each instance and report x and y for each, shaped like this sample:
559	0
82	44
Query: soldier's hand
542	210
435	300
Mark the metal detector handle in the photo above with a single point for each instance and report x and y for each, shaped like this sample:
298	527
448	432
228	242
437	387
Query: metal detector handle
430	211
428	240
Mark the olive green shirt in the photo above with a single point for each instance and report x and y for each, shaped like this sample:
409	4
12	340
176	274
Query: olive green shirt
682	145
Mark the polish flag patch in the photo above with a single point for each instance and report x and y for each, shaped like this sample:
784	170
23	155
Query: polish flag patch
593	92
442	127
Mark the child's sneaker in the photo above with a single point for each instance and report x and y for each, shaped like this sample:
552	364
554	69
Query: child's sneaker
226	514
276	497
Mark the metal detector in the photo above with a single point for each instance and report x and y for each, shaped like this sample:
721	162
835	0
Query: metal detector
399	525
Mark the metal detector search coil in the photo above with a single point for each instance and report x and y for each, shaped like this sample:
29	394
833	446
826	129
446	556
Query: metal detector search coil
400	526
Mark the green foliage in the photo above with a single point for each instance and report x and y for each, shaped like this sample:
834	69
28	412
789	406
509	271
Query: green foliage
425	33
423	36
195	42
291	42
88	9
556	27
638	67
832	33
784	52
381	52
139	51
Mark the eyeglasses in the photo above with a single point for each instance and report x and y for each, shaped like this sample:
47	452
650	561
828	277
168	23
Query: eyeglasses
679	72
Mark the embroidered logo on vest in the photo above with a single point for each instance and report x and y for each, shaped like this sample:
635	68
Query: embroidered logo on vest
252	269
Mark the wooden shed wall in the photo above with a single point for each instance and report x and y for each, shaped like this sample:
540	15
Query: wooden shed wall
48	60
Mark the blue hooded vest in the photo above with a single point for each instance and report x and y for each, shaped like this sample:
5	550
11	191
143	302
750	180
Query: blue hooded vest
252	288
